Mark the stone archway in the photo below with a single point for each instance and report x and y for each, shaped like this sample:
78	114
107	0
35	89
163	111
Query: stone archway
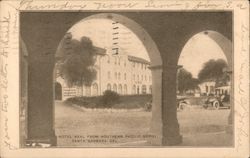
155	67
52	26
227	47
224	43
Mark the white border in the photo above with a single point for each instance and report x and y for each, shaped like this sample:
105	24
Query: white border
10	119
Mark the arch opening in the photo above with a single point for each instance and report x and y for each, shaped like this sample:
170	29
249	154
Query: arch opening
204	77
120	58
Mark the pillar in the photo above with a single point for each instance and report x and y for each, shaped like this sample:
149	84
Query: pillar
40	101
164	123
24	93
229	128
170	126
156	121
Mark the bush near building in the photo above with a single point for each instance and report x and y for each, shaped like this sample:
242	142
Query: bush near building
111	100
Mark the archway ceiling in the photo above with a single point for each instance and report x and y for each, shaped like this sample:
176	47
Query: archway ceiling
169	30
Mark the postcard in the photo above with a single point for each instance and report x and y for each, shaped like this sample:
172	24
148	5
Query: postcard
124	78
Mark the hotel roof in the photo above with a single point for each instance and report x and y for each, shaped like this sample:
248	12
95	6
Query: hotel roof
99	51
103	51
137	59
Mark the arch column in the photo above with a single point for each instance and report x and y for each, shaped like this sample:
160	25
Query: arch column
229	128
227	47
24	93
41	104
164	123
156	121
170	126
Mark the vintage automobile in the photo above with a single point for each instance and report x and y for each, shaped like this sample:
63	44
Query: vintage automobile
217	102
182	101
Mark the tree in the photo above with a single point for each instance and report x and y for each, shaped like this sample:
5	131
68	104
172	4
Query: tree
186	81
76	61
213	70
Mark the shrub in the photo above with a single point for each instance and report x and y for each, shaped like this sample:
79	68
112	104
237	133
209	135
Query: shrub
148	106
88	102
110	98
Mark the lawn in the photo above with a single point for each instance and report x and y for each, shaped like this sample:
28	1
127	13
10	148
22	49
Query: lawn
76	128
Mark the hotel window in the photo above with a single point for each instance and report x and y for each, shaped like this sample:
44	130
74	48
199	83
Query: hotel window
144	89
145	78
141	65
134	89
120	89
125	89
134	77
125	63
125	76
115	75
95	89
133	64
108	87
88	91
115	60
114	88
150	89
138	90
119	61
109	76
119	76
137	77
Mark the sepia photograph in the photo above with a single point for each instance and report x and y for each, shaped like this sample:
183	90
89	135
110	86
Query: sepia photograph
124	79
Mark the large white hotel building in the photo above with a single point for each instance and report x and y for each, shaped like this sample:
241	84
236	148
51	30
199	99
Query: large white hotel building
122	73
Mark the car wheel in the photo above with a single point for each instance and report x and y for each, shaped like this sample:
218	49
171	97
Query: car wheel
216	105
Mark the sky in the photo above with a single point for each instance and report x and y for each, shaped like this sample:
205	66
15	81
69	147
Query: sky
100	31
198	50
